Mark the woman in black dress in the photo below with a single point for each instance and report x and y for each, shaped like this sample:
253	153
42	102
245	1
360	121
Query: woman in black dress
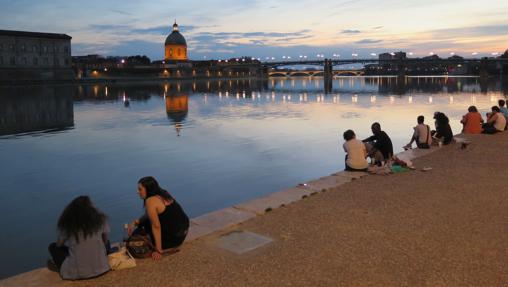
164	220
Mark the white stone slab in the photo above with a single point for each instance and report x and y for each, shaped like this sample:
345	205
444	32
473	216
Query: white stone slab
240	242
218	220
274	200
196	231
415	153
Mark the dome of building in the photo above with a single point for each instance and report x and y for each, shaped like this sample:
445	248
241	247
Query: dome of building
175	47
175	38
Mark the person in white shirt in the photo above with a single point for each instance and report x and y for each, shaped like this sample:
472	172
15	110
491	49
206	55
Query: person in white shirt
421	135
356	152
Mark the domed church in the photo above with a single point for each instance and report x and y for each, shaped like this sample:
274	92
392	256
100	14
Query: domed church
175	46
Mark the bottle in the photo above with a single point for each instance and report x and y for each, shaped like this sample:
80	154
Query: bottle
126	232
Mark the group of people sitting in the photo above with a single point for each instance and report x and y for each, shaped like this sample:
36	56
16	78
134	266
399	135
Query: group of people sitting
379	148
81	249
496	120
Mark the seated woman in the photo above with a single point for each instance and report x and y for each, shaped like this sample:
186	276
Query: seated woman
164	221
443	132
472	121
80	251
496	122
421	135
356	152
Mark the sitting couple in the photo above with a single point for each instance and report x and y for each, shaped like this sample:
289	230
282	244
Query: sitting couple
424	137
82	246
378	147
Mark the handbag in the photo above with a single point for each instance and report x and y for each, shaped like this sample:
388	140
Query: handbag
121	259
139	246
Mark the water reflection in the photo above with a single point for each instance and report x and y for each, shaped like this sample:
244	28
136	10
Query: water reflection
177	108
30	110
35	109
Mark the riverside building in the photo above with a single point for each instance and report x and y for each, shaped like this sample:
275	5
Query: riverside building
34	56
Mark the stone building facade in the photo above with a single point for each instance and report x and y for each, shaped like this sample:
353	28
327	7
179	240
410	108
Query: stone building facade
34	56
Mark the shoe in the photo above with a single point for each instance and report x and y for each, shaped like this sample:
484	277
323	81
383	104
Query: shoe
51	265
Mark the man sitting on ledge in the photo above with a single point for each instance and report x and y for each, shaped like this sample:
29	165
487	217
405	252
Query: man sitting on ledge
379	145
421	135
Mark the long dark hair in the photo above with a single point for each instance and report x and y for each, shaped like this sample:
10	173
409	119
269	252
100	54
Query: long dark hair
152	188
80	216
441	119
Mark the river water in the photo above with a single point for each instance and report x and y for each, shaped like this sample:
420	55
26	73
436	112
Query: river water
210	143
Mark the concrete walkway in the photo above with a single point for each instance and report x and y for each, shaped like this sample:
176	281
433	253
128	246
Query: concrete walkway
444	227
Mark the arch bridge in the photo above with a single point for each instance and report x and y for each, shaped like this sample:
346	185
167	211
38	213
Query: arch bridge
313	73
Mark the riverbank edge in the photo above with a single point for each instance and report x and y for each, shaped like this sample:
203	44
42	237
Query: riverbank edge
228	217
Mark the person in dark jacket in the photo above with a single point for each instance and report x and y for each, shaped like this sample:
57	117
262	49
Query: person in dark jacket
443	132
379	145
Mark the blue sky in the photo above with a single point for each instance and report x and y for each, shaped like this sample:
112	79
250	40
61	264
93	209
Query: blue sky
257	28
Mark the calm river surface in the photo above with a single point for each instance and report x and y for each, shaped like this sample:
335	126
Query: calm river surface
210	143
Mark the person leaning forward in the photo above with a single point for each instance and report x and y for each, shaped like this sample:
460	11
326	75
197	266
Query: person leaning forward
379	145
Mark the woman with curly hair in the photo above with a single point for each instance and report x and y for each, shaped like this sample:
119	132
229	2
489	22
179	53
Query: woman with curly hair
80	251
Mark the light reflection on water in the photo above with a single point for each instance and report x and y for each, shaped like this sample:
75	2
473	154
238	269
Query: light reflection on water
211	143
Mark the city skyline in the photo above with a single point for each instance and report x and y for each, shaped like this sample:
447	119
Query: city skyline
223	29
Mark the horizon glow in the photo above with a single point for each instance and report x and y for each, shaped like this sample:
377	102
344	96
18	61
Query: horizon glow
261	29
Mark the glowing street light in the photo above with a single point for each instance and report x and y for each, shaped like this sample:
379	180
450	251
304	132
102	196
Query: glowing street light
122	61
